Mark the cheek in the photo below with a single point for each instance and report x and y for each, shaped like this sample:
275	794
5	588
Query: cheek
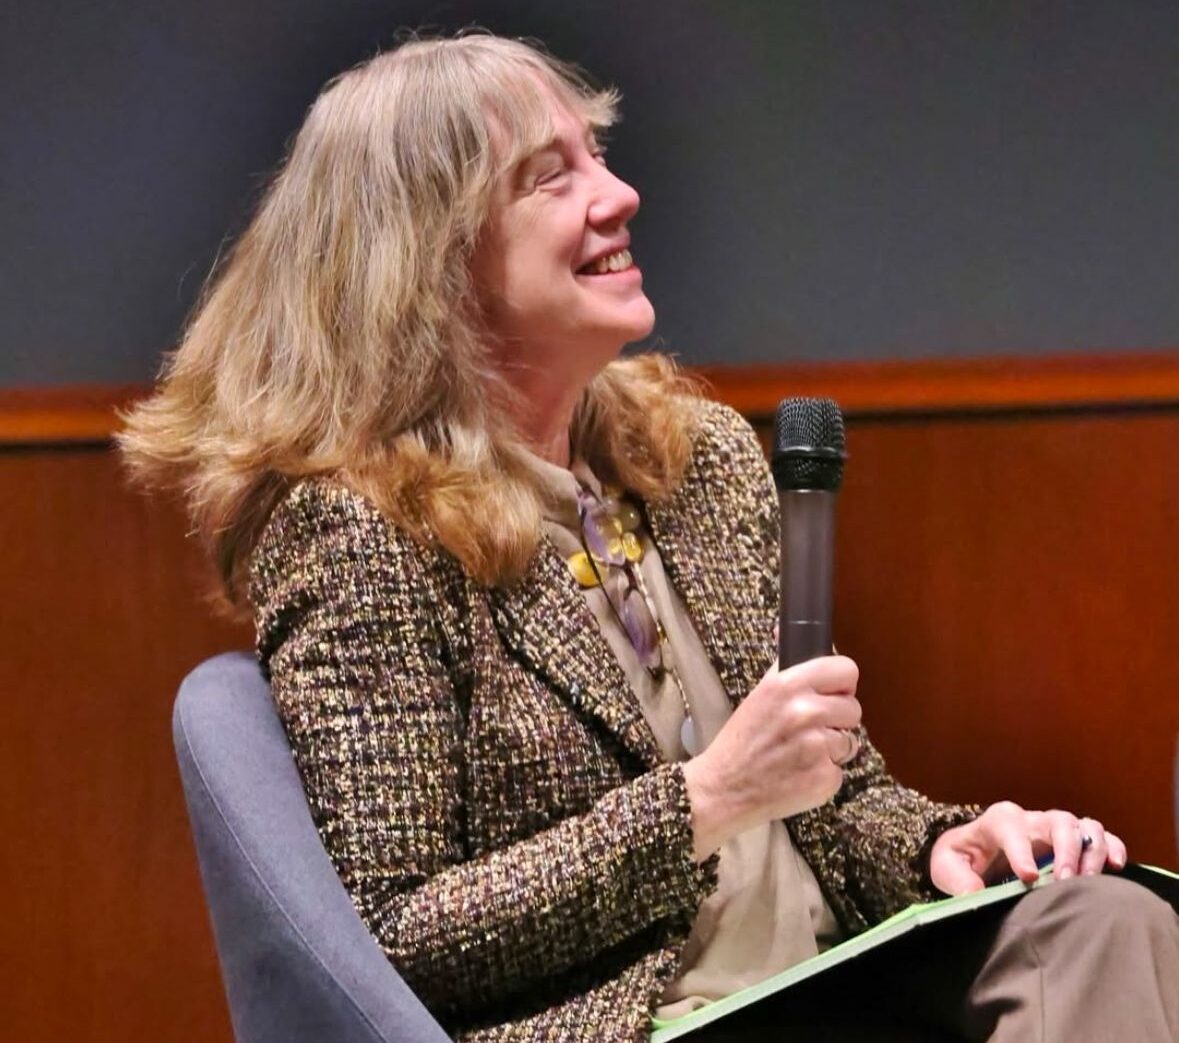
524	267
536	273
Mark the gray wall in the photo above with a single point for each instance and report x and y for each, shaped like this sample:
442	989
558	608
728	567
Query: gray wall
841	179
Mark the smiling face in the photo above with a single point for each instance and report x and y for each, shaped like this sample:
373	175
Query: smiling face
554	270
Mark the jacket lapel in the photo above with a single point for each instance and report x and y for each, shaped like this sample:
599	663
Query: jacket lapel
727	587
545	621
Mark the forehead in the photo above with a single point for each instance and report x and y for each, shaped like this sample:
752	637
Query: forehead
533	109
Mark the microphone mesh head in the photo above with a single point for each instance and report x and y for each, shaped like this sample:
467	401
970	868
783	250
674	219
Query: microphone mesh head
808	444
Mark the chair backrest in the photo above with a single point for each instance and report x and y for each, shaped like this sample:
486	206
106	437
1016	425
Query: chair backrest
297	961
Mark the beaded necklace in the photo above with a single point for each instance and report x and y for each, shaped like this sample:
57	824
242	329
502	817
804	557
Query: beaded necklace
610	546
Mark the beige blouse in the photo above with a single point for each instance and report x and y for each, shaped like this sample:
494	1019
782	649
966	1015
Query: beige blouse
767	912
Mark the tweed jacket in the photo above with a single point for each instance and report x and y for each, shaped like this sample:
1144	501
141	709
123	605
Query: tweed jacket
484	780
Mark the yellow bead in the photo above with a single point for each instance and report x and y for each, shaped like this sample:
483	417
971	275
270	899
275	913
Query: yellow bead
583	571
631	547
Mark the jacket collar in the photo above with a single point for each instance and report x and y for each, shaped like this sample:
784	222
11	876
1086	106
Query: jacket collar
727	584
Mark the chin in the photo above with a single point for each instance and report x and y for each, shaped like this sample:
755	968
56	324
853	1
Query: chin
608	334
640	323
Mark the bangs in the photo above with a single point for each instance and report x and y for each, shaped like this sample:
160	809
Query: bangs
519	102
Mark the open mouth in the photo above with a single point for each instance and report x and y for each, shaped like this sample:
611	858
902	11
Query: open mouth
615	262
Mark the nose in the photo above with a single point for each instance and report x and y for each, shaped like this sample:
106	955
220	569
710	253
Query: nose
615	202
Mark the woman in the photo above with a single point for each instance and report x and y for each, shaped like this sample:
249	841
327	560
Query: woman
404	430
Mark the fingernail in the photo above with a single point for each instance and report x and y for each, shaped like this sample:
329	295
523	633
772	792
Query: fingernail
1065	872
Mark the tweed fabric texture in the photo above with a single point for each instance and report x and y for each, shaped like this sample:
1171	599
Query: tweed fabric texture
482	775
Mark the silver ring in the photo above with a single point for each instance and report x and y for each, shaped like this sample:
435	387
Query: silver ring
1086	842
853	746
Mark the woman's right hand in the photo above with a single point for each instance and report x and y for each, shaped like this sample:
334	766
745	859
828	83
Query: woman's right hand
778	755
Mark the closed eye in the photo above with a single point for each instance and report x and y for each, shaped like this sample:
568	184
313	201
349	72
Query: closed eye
548	175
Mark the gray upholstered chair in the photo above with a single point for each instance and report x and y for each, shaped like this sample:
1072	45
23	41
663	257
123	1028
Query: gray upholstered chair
297	962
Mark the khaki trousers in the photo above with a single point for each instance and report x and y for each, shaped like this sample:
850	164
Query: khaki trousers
1086	960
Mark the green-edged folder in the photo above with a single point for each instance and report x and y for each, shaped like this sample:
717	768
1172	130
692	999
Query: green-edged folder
1162	881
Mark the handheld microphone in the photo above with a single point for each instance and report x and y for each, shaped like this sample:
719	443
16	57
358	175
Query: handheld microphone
808	470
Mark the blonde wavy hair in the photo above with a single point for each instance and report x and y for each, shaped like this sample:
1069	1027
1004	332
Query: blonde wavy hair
342	336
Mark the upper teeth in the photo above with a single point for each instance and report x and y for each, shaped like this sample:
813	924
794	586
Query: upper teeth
612	263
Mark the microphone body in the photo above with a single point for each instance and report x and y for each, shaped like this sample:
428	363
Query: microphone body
808	574
808	471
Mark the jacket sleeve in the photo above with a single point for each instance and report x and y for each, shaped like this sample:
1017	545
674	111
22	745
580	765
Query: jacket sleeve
885	833
348	614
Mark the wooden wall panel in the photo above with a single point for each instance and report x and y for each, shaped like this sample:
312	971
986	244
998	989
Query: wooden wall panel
979	385
1010	588
104	934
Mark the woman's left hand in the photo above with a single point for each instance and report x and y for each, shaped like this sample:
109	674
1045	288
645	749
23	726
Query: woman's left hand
1007	839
